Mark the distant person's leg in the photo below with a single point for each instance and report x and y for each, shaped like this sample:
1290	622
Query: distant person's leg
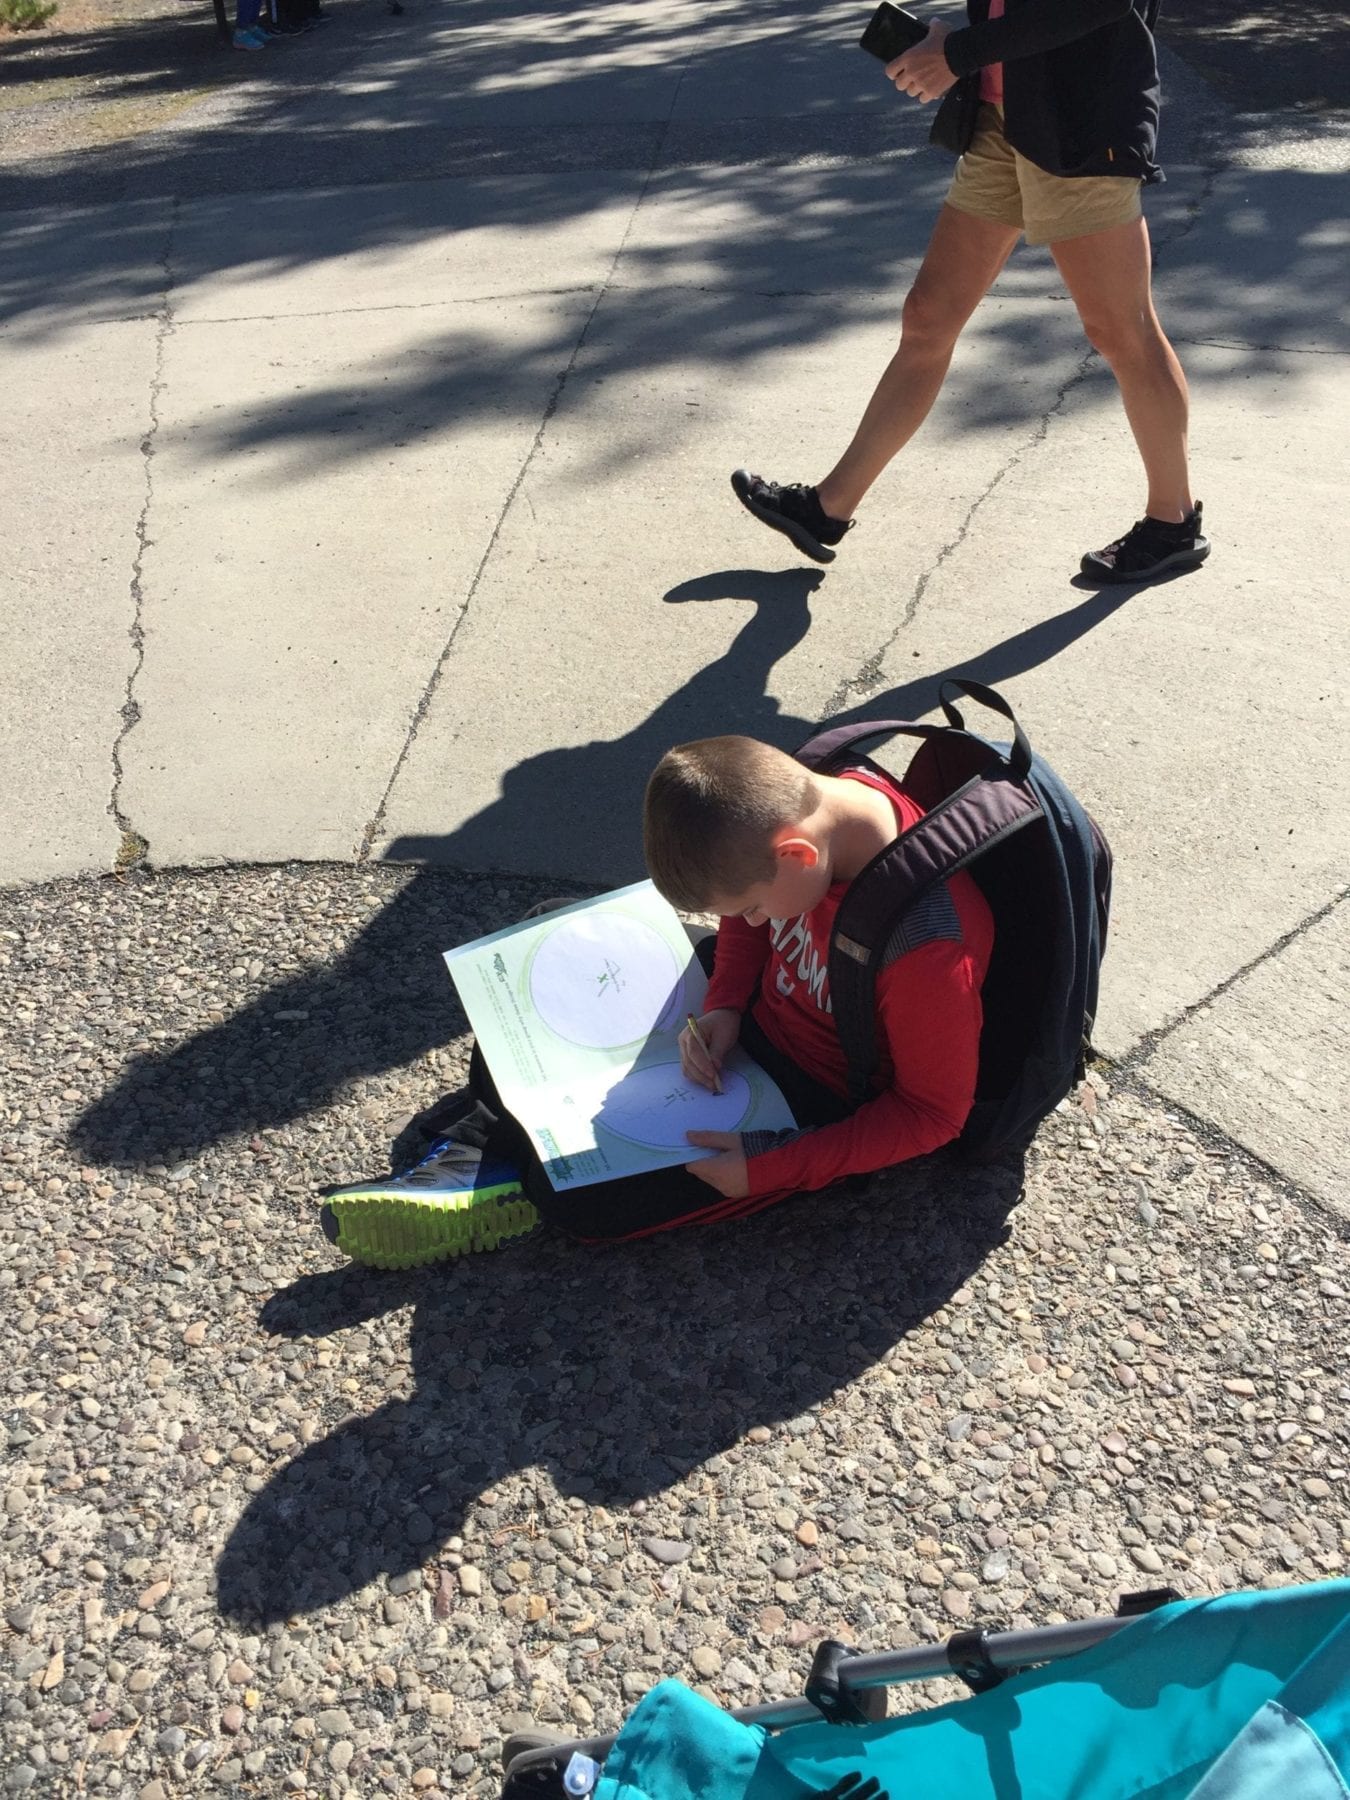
1108	273
964	255
247	36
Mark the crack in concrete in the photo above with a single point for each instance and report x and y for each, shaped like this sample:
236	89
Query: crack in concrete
870	676
394	306
1219	343
134	846
1150	1041
362	849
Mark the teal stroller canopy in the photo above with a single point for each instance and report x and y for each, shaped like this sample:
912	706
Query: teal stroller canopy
1238	1698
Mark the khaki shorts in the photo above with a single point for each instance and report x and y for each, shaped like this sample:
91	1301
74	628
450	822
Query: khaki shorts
993	182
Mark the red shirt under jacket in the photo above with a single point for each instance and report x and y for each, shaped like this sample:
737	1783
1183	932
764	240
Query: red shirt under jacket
928	1013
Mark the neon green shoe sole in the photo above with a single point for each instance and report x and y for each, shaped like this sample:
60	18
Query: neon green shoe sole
407	1231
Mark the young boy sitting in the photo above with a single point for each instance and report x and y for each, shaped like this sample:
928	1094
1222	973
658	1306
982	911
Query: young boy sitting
735	827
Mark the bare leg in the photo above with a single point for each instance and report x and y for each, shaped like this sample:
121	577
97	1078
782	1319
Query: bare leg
1108	274
963	257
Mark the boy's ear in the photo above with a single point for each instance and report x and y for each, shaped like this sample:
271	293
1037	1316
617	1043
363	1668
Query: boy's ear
791	847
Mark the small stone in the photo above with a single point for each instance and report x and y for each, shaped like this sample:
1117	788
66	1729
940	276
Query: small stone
1114	1444
464	1765
20	1618
444	1603
171	1740
153	1790
666	1550
959	1427
333	1722
232	1719
1147	1558
1316	1488
340	1756
1126	1376
194	1335
800	1632
772	1618
1285	1430
198	1753
1240	1386
808	1533
759	1434
153	1595
470	1581
423	1778
54	1673
706	1660
996	1566
956	1603
1104	1564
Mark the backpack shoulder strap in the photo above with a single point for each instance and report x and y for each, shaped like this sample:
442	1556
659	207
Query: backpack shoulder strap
991	806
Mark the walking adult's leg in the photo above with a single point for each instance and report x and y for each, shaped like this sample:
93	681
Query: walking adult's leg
1108	274
964	255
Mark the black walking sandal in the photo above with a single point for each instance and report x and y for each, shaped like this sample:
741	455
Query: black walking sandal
1149	550
794	510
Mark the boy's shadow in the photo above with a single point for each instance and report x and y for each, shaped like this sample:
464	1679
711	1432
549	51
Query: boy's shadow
382	1003
617	1371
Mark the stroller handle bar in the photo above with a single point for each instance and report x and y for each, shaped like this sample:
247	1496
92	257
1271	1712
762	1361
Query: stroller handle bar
998	1653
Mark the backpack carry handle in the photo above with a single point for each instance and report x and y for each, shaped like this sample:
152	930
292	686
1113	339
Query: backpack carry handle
825	746
1019	761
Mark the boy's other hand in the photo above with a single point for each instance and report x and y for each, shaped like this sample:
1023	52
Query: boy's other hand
923	72
720	1031
728	1172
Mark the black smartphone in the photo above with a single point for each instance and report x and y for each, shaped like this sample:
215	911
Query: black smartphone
890	32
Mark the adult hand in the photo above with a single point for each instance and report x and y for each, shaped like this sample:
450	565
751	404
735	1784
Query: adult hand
726	1172
923	71
720	1029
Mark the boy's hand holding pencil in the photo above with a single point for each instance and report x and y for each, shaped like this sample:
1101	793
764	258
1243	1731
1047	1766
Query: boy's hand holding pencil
705	1044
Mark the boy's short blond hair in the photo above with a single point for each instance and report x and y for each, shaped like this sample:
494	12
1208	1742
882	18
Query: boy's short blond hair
711	813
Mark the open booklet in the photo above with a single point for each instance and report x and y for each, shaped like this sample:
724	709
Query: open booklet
578	1013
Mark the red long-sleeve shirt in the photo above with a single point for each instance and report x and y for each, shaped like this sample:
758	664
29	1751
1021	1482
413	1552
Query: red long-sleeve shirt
928	1015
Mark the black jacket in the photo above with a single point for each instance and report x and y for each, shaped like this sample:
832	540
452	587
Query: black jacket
1080	81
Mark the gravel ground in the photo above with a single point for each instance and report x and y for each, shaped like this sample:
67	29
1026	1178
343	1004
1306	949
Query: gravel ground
278	1525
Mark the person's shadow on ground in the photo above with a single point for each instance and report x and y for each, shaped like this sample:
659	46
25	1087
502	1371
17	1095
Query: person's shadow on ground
616	1371
385	1001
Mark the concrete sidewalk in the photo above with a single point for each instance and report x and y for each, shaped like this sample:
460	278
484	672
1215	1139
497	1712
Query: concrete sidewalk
383	513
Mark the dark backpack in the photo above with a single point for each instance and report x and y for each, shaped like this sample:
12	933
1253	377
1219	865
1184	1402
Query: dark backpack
1044	867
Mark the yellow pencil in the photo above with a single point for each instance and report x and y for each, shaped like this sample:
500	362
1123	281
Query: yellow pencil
702	1043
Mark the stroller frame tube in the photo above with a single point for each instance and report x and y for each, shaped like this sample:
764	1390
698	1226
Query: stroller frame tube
1007	1651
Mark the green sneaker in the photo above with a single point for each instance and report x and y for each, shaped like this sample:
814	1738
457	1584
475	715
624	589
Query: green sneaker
452	1204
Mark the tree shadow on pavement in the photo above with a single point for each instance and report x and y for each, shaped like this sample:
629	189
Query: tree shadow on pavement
252	1072
616	1371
